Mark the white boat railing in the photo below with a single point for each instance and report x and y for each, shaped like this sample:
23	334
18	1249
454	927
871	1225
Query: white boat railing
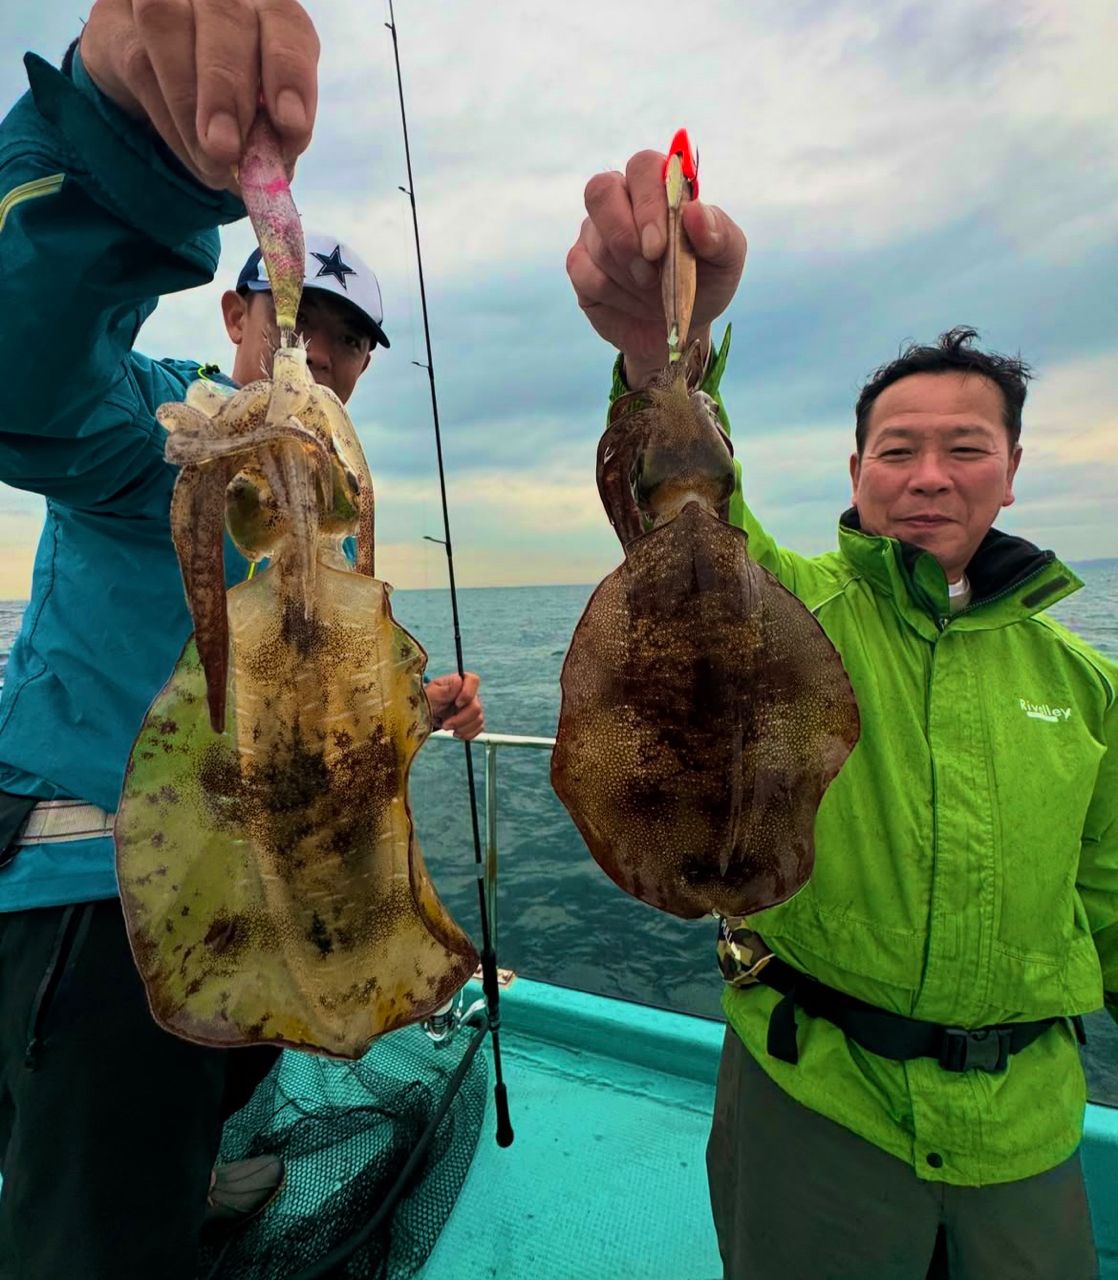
491	744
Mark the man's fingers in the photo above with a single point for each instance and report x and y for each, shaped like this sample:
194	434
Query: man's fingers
467	716
455	704
197	69
581	271
716	238
720	248
466	724
611	215
468	691
154	107
644	177
595	289
145	92
289	51
627	273
614	264
445	687
110	32
166	38
226	42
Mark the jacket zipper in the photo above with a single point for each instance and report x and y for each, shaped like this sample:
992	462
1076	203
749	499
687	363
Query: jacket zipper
935	809
68	940
999	595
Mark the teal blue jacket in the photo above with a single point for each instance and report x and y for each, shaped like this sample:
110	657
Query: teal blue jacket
97	222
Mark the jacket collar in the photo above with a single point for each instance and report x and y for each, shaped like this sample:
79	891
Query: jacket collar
1010	578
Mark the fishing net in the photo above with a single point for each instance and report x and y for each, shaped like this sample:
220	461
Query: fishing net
373	1169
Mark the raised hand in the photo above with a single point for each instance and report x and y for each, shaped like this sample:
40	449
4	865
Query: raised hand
614	265
198	69
455	705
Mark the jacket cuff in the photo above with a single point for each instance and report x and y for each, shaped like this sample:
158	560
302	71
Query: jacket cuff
124	166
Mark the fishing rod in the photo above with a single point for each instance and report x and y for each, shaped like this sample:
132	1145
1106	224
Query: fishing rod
488	954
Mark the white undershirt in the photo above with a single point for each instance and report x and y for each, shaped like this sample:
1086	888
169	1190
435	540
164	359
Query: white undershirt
958	594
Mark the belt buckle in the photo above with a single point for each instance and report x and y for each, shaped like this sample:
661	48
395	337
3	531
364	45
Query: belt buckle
983	1049
755	968
737	953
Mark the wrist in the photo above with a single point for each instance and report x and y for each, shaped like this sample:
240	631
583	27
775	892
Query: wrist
637	370
635	373
106	85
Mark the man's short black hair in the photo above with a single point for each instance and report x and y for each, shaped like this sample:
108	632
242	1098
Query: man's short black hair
951	352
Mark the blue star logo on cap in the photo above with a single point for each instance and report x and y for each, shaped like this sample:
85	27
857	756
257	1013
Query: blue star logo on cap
332	265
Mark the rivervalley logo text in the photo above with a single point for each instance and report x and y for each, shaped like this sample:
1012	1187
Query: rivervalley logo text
1042	711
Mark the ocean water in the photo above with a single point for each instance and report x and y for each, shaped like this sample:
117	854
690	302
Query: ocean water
560	919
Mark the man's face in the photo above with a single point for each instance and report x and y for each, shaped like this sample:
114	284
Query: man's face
937	466
338	349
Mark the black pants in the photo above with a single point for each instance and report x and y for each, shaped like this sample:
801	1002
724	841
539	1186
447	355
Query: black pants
797	1197
109	1125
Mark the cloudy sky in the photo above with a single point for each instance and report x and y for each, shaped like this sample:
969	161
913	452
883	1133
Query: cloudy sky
899	168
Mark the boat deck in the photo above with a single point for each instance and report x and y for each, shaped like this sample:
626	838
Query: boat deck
606	1178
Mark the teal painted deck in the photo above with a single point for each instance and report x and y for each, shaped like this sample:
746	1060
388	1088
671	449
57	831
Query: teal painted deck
611	1104
606	1179
1100	1164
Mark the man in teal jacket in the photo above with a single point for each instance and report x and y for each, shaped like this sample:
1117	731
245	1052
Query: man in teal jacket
114	176
900	1092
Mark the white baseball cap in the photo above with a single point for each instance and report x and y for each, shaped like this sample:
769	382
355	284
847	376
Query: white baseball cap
331	267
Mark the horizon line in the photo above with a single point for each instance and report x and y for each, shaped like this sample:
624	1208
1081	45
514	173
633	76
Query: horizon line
534	586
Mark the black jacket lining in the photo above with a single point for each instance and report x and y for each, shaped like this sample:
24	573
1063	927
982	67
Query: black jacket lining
1001	563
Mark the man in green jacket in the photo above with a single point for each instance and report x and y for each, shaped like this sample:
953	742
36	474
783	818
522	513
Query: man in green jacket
114	176
900	1092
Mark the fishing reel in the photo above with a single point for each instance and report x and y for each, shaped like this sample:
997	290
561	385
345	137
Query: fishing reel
442	1026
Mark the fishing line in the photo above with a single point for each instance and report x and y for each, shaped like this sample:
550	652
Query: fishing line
488	955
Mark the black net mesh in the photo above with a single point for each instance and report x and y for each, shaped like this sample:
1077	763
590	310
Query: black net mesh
345	1132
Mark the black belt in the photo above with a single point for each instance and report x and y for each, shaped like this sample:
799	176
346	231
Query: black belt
892	1035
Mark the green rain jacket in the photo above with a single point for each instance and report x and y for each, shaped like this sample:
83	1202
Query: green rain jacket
966	855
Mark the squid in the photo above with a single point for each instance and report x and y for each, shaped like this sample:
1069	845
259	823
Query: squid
272	884
704	711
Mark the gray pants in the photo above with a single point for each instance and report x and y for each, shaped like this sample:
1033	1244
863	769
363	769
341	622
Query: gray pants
797	1197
